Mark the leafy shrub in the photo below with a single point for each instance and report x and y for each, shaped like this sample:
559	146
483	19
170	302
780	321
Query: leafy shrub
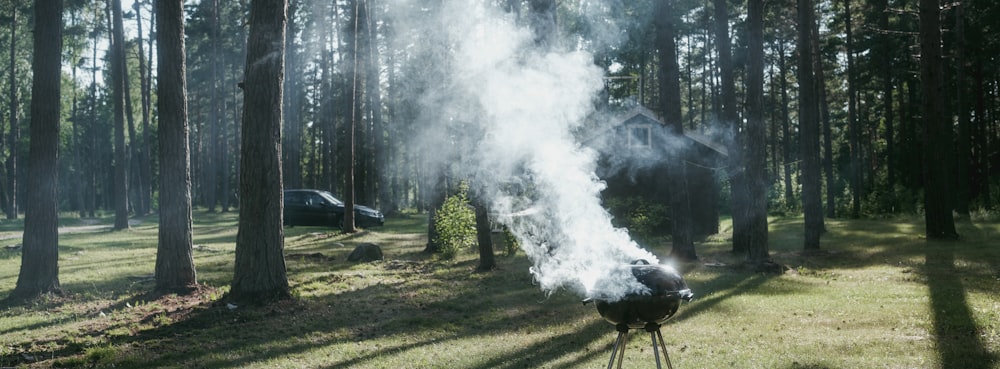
456	224
511	242
644	219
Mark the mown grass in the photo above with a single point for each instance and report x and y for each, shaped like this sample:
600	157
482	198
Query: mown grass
878	296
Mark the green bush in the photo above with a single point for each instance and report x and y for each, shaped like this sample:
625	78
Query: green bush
511	242
645	220
456	224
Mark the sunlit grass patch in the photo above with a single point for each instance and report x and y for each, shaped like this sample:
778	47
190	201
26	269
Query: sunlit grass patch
879	296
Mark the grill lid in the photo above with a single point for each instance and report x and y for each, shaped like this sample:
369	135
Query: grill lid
666	290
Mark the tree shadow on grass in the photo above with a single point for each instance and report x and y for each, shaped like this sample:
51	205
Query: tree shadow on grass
214	336
958	336
728	285
426	309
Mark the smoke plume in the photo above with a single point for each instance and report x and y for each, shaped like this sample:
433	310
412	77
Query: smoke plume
506	115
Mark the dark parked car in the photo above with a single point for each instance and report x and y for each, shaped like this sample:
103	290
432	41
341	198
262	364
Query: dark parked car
321	208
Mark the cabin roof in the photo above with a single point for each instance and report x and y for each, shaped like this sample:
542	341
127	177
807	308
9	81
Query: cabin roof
641	114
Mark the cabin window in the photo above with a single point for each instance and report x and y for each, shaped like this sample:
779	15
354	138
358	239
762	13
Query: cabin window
640	136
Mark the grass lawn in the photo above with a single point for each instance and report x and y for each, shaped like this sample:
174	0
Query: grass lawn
878	296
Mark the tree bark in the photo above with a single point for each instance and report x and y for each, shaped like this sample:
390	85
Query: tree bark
328	122
786	131
259	273
885	65
436	193
756	131
964	142
39	271
356	96
137	185
213	153
853	127
15	127
175	271
827	127
670	107
143	146
939	154
730	122
484	235
291	148
809	130
118	97
378	178
90	139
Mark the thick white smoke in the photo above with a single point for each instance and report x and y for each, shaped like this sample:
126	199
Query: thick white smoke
507	112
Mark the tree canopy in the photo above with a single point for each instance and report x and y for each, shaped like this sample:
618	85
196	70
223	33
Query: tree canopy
836	108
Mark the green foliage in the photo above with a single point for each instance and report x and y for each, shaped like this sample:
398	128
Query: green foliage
644	219
510	241
456	224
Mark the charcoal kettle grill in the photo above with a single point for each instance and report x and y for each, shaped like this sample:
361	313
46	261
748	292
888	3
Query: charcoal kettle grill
646	311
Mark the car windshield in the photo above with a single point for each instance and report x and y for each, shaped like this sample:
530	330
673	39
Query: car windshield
332	199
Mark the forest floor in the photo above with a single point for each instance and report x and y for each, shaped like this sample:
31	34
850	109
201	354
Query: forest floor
879	295
80	226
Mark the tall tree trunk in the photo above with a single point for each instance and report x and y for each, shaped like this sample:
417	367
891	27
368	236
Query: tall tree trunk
39	271
363	180
291	148
352	126
73	138
90	138
378	177
689	71
436	193
137	186
484	235
824	117
237	118
393	167
786	130
15	127
756	131
118	97
962	168
224	143
885	65
213	154
774	105
259	274
939	154
175	271
809	130
328	128
225	156
982	174
706	57
852	121
670	107
915	159
143	144
730	120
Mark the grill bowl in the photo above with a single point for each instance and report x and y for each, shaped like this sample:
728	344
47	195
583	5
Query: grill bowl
666	290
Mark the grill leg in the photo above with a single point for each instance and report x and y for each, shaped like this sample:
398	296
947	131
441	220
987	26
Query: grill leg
620	344
657	337
655	349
